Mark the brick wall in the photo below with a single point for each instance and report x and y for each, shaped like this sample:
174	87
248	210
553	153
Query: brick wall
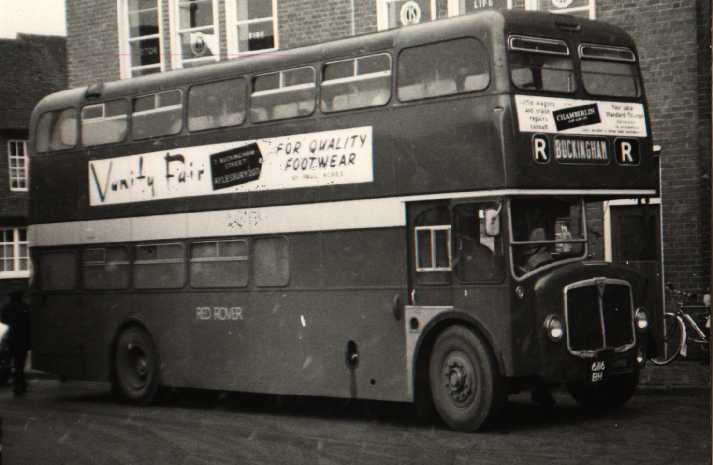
675	61
303	22
92	41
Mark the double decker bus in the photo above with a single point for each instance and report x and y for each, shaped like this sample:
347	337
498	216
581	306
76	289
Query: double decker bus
396	216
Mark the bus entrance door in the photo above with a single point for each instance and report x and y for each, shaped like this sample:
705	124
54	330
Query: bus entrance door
430	254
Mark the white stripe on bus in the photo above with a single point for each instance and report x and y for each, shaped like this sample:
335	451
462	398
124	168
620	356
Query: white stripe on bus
326	216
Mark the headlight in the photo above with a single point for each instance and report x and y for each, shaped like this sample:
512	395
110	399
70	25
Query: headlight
553	328
641	319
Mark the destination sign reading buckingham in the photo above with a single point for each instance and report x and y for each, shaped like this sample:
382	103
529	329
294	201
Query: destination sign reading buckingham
585	117
581	150
343	156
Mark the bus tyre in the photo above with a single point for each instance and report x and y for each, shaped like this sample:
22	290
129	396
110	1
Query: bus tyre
136	366
465	383
610	394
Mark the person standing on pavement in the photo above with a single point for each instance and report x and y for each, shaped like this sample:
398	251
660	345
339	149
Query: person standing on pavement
16	314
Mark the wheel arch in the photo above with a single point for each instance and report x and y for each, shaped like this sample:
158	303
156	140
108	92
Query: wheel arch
428	337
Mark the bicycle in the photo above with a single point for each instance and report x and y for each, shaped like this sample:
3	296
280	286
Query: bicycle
676	335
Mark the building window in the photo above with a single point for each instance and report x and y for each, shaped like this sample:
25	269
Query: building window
194	26
139	37
251	26
581	8
14	253
17	164
397	13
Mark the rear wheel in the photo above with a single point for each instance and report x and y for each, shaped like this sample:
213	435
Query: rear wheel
673	339
136	366
611	393
465	383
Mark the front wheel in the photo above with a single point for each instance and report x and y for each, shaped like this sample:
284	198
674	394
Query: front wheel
465	383
609	394
136	366
674	337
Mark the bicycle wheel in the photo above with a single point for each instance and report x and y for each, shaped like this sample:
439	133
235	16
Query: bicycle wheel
674	337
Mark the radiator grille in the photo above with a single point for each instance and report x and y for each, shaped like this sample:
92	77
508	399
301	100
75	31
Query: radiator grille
599	314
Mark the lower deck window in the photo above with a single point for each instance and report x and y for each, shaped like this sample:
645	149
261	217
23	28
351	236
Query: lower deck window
105	268
58	271
219	264
158	266
272	262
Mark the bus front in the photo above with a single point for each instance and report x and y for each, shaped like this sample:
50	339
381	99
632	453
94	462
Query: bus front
581	137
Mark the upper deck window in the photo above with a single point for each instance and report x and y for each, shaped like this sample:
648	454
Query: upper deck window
609	71
217	105
105	123
356	83
541	64
284	94
157	114
444	68
56	130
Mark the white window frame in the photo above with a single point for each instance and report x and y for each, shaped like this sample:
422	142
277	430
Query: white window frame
434	250
591	8
382	13
16	243
174	22
231	26
13	160
455	10
125	67
534	5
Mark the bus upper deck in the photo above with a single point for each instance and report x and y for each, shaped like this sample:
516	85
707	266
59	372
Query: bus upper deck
522	101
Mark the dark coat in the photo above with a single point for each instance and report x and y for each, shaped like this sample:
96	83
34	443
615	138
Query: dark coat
16	314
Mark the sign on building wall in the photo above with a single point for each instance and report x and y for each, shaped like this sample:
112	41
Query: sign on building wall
302	160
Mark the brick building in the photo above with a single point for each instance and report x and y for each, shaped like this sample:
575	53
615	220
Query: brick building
118	39
33	66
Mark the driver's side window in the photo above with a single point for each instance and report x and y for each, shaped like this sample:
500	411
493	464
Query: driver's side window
478	255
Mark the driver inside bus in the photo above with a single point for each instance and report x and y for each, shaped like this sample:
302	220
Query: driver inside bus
533	255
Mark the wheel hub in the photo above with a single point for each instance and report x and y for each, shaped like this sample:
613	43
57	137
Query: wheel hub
458	375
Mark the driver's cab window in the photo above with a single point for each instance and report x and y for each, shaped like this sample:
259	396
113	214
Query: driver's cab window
478	249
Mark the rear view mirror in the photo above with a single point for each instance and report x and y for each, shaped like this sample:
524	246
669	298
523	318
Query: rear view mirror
492	223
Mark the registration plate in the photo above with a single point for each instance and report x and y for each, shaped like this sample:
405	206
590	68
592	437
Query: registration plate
598	369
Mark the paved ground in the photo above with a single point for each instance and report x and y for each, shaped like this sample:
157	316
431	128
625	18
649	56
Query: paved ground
79	423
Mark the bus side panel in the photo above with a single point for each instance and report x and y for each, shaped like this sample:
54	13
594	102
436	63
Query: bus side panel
57	327
294	340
